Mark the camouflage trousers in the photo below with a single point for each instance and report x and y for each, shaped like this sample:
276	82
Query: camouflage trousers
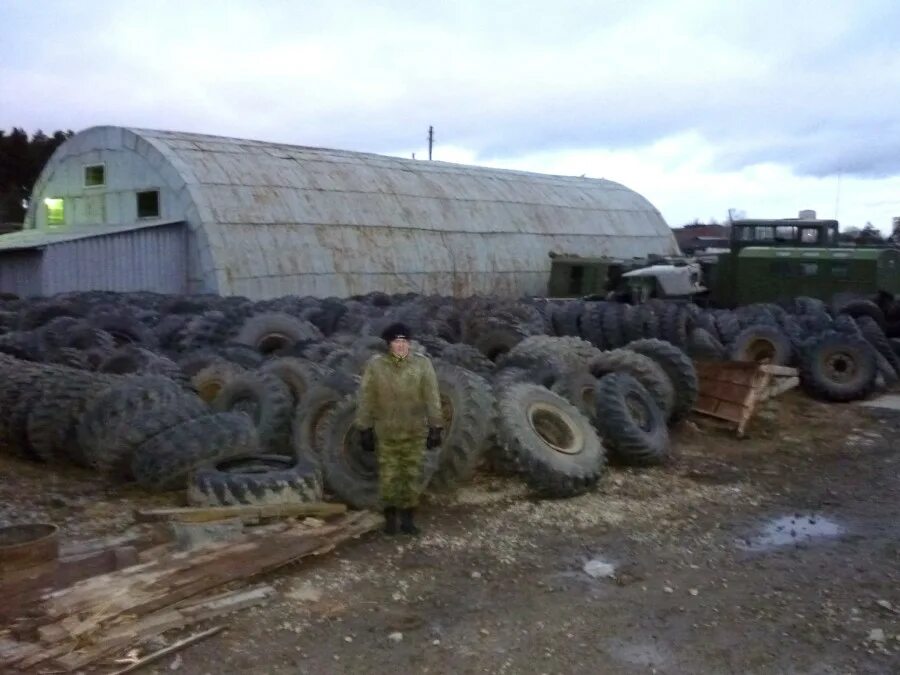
400	470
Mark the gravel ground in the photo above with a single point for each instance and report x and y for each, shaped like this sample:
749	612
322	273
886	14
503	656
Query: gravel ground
778	553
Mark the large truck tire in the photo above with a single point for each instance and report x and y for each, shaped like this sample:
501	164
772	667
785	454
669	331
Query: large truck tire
838	367
469	408
630	421
761	344
165	461
268	401
680	370
554	445
641	367
126	415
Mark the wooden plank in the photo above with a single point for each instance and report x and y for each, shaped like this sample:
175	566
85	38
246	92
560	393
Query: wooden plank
201	514
109	611
181	644
160	622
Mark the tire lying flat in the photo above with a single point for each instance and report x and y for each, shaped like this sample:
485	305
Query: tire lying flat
256	480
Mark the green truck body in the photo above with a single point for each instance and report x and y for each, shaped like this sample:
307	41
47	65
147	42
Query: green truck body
764	274
771	260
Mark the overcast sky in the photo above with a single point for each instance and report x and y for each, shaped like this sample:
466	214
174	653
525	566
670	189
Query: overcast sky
700	106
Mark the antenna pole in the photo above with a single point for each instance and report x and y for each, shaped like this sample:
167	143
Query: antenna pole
430	140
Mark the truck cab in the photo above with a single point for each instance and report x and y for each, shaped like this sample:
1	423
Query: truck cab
784	232
770	260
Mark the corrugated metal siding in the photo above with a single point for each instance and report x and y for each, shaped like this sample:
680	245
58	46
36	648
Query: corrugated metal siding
20	273
283	219
268	219
152	259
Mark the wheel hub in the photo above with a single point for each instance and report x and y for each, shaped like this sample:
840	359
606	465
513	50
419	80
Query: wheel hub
554	429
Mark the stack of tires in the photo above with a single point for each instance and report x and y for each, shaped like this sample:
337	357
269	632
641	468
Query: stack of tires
564	403
143	428
543	387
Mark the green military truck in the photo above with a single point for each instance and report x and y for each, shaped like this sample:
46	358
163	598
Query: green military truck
767	261
770	260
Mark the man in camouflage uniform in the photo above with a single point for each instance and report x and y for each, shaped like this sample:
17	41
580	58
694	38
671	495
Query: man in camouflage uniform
399	411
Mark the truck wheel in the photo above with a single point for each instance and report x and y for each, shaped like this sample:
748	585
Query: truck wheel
350	472
728	326
838	367
554	445
630	421
643	368
271	331
680	370
165	461
873	334
860	308
267	400
761	344
469	408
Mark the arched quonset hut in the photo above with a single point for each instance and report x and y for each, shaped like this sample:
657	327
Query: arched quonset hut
134	209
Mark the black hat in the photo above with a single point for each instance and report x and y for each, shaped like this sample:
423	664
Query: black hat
394	331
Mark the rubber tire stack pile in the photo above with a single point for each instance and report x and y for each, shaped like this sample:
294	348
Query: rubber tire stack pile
290	366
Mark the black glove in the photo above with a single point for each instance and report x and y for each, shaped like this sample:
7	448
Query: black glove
434	438
367	439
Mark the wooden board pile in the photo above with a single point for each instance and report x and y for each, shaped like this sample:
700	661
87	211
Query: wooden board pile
71	628
731	390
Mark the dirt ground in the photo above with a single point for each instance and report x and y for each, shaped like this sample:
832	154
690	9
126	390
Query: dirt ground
497	583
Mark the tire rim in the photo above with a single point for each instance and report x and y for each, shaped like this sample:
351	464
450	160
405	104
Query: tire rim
638	411
840	367
271	342
761	350
555	429
209	389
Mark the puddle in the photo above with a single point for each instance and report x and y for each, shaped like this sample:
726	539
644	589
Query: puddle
791	531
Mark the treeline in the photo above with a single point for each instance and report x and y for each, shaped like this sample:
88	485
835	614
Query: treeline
21	160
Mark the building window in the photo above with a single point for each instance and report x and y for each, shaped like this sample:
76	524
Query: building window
148	204
95	175
809	269
56	213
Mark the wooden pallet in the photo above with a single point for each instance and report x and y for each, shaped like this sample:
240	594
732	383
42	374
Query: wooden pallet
731	390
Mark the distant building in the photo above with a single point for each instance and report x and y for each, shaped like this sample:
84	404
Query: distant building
698	238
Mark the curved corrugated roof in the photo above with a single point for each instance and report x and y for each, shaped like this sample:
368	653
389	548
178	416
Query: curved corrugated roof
275	219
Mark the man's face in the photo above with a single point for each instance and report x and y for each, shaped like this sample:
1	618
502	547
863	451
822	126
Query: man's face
400	347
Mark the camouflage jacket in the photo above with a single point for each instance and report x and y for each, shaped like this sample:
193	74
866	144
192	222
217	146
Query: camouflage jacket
399	397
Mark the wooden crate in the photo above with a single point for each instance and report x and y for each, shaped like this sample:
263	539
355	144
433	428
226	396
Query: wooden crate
731	390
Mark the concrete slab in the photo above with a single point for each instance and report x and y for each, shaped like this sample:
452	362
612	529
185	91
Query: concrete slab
886	401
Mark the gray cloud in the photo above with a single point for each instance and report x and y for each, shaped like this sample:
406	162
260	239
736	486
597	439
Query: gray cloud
811	87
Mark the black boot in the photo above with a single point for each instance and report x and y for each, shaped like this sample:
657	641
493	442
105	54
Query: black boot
407	526
390	520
